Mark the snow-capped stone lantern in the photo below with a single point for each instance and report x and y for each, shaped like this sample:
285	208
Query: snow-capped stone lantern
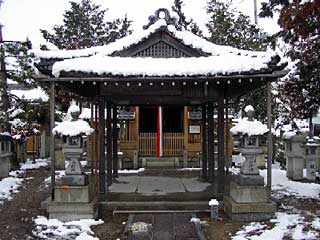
294	153
74	197
73	132
312	156
249	131
248	199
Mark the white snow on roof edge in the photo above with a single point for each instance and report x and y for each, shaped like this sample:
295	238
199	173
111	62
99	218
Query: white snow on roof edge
186	37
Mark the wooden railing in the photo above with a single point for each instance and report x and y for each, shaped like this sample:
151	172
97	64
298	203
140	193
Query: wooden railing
172	144
147	144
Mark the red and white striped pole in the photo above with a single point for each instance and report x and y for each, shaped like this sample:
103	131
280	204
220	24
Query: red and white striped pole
159	133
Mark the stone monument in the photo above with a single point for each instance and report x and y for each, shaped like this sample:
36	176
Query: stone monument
73	197
5	154
248	199
294	153
312	157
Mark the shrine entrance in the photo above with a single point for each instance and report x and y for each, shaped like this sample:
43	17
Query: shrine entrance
161	131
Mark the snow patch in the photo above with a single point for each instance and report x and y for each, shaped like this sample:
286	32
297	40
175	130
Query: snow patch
213	202
282	185
9	186
56	229
131	171
36	164
289	226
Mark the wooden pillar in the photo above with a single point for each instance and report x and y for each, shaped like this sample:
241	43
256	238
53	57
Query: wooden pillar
269	151
109	145
204	158
185	127
220	131
137	127
115	141
52	145
227	160
95	141
210	143
101	144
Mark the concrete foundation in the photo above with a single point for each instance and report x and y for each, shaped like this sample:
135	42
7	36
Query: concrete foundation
248	212
72	203
72	211
73	194
248	194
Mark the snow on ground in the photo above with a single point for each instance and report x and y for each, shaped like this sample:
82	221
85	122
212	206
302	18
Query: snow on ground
283	186
36	164
10	185
291	226
55	229
131	171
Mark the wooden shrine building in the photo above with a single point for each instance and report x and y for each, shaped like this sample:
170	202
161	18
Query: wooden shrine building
169	82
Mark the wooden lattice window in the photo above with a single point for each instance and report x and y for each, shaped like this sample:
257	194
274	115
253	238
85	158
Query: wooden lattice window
161	49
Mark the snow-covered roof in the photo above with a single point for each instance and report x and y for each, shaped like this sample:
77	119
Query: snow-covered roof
188	38
104	60
127	66
251	128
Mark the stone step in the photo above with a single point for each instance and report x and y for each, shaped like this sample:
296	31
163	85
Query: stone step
194	206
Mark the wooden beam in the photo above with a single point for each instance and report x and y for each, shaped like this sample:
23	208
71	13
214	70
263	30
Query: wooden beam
210	143
220	131
109	145
101	147
52	144
204	157
269	150
115	141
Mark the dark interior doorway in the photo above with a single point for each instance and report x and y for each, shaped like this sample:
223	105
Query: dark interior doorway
148	119
173	119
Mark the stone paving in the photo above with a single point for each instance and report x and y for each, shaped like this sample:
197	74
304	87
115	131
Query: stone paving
157	185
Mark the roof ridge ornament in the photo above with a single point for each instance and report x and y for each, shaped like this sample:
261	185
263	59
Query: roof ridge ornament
162	13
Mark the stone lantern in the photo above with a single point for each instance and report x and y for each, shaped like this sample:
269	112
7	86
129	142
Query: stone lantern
74	195
294	154
312	147
5	154
248	199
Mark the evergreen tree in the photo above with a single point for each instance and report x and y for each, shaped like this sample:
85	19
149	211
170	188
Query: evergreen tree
16	66
182	21
227	27
300	25
84	26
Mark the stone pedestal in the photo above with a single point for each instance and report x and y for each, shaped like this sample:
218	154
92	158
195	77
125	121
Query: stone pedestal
248	200
73	199
73	203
